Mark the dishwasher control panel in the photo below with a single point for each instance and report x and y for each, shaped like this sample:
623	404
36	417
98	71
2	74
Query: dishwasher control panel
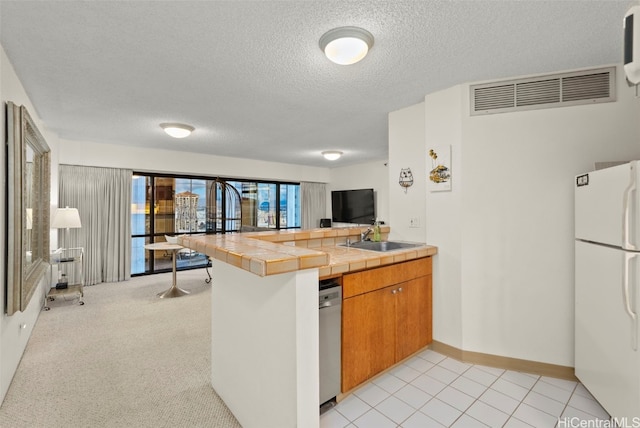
330	292
330	298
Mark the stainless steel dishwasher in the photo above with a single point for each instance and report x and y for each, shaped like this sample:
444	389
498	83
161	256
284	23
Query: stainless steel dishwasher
330	341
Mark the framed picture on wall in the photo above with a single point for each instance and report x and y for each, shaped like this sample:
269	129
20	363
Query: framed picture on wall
439	168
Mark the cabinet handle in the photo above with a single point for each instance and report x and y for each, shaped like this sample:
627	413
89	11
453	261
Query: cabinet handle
400	289
394	291
626	242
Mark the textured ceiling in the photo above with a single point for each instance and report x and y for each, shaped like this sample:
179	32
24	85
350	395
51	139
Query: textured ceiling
249	75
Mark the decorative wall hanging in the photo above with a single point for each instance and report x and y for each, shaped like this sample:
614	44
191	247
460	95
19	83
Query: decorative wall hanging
440	171
406	178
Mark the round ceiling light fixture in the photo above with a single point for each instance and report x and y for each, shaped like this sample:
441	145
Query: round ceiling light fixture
177	130
346	45
332	155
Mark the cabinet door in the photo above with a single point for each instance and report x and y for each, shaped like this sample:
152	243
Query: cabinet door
368	336
414	316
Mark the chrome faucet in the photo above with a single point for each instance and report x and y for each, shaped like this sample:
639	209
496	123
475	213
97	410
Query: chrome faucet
366	233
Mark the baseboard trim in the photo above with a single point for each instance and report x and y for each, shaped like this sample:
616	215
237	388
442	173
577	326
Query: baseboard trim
527	366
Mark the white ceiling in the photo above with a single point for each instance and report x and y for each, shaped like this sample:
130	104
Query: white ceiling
250	77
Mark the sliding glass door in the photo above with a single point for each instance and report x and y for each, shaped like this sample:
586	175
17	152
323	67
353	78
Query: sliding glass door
165	205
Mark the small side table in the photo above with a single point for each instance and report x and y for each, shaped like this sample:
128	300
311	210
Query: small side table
69	261
174	291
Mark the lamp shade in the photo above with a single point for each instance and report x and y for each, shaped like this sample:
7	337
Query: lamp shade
177	130
346	45
65	218
332	154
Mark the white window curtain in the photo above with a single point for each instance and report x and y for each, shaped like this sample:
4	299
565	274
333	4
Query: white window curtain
314	202
103	199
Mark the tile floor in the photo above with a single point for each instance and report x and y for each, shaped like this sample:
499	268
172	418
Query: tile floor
431	390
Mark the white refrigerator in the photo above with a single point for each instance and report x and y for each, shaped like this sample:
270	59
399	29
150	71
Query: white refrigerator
607	290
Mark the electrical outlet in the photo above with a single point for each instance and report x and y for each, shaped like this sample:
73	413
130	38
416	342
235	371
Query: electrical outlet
414	222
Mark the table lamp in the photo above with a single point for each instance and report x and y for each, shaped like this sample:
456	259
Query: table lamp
66	218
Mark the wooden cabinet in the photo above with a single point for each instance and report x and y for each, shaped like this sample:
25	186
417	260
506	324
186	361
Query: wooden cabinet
413	316
386	316
368	336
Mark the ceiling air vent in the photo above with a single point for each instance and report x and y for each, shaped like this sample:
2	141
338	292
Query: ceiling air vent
556	90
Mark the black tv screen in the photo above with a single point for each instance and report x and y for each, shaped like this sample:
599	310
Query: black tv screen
353	206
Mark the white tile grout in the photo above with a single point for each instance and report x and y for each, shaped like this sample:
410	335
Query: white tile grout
452	399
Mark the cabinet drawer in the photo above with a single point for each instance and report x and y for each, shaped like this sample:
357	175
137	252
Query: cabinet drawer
357	283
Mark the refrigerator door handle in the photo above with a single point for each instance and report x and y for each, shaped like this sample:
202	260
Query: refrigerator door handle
628	257
626	213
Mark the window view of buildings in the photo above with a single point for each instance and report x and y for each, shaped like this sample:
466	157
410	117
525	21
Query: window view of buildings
164	205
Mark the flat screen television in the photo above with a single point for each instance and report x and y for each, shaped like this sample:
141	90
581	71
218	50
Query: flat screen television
353	206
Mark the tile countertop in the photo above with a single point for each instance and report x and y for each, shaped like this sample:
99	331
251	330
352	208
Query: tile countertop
275	252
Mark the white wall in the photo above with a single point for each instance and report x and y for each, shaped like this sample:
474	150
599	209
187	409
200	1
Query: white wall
16	329
265	367
406	150
444	110
518	223
362	176
176	162
504	272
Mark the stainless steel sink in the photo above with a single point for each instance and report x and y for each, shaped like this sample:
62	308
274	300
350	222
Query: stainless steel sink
381	246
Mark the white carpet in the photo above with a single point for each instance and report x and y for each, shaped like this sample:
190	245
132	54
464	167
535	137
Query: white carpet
124	359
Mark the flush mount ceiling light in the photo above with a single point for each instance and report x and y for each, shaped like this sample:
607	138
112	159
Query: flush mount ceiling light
177	130
331	154
346	45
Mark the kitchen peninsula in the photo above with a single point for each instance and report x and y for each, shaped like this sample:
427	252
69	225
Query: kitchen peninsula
264	345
